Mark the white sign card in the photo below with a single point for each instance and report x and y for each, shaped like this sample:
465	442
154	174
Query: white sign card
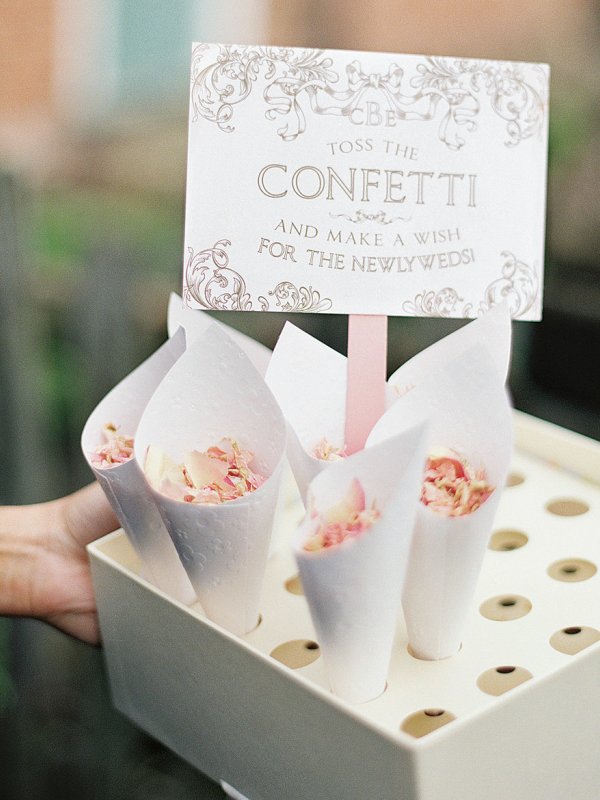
364	183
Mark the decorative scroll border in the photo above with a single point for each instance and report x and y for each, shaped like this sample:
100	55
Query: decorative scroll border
296	81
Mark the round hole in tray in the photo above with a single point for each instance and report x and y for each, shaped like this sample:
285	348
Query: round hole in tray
507	539
294	585
503	608
297	653
498	680
426	721
258	623
514	479
567	507
573	640
572	570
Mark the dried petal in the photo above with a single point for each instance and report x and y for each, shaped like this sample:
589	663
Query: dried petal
352	504
451	487
158	466
346	520
325	451
220	474
117	448
204	469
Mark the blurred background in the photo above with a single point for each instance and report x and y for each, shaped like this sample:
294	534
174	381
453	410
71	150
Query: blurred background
93	127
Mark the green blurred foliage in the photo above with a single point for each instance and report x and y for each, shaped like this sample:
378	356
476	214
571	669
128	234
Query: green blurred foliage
95	257
571	127
70	222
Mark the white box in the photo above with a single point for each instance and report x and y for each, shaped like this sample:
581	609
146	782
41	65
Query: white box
276	733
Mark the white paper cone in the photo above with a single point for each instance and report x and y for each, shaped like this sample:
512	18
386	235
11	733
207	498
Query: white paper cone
124	484
305	467
212	392
492	330
288	500
469	412
445	561
353	588
195	322
309	381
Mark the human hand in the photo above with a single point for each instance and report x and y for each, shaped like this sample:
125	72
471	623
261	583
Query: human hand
44	567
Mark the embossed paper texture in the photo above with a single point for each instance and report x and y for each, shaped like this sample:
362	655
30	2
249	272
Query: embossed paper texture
351	182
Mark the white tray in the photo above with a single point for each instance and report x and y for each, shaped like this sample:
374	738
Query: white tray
276	733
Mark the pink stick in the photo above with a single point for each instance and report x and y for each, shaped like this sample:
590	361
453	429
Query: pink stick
367	366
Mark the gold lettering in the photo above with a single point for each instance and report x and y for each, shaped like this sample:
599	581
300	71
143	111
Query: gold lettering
261	180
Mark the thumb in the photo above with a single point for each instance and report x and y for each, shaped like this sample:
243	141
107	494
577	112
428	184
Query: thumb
88	515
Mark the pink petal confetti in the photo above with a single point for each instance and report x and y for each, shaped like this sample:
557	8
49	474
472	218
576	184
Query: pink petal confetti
324	450
353	503
117	449
346	520
222	473
451	487
204	469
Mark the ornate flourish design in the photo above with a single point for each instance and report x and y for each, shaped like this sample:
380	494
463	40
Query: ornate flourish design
292	298
211	283
365	216
518	285
459	83
442	303
219	86
299	79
